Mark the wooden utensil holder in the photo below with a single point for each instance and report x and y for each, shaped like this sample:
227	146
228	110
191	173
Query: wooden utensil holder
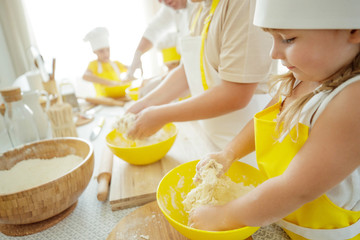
61	119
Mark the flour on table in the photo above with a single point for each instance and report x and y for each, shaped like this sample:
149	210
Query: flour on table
124	123
31	173
212	190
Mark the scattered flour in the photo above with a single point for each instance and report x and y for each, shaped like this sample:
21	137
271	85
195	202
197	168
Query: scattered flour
124	123
35	172
212	190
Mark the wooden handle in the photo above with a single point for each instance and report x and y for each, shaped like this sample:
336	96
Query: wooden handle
105	101
104	176
103	186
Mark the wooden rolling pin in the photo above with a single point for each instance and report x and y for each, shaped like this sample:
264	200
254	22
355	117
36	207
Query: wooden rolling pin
104	101
104	176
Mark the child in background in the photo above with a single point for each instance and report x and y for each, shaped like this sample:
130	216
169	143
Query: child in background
103	72
307	143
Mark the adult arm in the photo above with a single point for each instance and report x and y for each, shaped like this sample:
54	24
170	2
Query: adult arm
171	88
159	25
221	99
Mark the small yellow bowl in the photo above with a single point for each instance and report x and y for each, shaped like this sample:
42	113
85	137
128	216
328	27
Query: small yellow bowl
178	182
115	91
141	155
133	93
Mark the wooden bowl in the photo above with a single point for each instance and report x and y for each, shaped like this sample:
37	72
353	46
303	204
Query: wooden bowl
49	199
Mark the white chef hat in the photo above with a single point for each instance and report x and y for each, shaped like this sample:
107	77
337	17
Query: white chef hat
167	46
308	14
98	38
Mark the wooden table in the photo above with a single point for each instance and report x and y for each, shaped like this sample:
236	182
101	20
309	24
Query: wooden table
136	185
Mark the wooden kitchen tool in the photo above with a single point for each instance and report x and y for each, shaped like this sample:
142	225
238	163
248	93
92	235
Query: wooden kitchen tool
50	85
104	175
133	185
61	119
105	101
146	222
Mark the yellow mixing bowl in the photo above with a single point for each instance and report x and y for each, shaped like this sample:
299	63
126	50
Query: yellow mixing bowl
141	155
133	93
115	91
178	182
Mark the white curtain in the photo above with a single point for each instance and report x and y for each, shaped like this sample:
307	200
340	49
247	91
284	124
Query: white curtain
17	35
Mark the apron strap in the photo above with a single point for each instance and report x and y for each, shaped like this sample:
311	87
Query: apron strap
99	70
193	24
203	37
322	234
116	69
113	65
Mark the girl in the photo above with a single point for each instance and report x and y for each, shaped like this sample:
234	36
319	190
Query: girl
103	72
307	143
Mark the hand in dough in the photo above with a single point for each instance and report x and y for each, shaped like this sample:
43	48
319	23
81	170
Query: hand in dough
219	157
147	123
204	218
213	218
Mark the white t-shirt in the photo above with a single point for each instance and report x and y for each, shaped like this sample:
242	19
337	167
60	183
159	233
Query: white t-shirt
167	20
235	48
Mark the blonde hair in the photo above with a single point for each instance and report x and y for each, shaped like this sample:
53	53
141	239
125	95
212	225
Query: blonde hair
286	82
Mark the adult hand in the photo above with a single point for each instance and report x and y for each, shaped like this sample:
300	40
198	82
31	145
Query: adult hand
147	123
137	107
136	63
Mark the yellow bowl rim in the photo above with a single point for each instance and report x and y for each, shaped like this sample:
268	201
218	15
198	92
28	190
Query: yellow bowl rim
185	226
141	147
131	89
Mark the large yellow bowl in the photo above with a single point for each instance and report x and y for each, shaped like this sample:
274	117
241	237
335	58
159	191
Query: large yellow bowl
133	93
178	182
141	155
115	91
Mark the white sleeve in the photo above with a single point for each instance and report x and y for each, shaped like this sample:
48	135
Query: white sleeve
163	22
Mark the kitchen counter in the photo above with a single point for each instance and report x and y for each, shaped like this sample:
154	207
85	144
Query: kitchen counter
93	219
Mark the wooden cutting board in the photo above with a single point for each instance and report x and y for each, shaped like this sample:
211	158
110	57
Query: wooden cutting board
136	185
146	222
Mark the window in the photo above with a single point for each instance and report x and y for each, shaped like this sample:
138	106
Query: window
60	26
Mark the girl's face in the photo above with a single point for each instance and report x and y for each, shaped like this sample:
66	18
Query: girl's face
314	55
103	54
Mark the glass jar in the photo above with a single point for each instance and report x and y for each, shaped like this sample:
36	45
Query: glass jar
5	143
19	118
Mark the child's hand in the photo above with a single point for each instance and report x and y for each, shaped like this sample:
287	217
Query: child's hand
222	157
213	218
204	218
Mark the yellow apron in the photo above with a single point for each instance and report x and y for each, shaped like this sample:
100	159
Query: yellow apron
221	130
109	71
319	219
